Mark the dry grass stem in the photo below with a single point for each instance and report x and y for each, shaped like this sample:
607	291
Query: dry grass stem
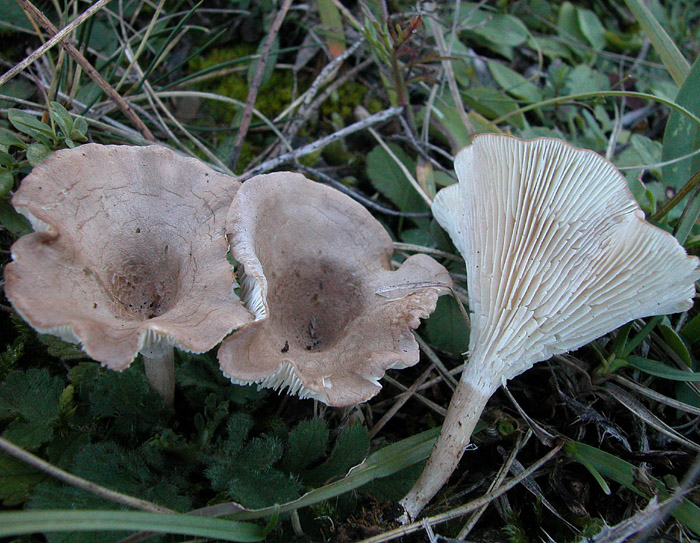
462	510
399	403
323	77
144	42
437	380
322	142
211	156
419	147
355	194
657	165
541	433
255	84
78	482
347	14
411	178
498	481
673	202
533	488
636	408
435	359
56	38
425	401
88	68
305	113
218	98
657	396
450	76
400	246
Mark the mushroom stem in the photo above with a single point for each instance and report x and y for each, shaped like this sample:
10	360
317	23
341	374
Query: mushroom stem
160	372
468	402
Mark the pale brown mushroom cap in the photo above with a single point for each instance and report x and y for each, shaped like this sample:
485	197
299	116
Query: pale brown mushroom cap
558	252
331	314
129	253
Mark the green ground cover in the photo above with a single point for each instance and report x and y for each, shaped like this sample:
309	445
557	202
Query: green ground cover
620	78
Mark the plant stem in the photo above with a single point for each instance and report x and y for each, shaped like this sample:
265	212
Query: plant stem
160	371
78	482
255	83
468	507
90	71
56	38
321	143
673	202
468	402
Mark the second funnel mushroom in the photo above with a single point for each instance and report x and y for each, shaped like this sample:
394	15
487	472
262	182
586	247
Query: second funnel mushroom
128	256
331	314
557	254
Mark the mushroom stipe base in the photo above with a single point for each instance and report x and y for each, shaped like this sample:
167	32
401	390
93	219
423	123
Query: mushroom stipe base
468	402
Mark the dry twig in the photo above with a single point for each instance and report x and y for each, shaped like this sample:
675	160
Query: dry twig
88	68
78	482
399	403
56	38
321	143
468	507
255	84
357	195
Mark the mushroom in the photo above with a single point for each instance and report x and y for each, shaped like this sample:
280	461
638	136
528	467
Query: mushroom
331	315
558	254
128	256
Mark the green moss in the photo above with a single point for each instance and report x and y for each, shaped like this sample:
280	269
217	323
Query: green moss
344	100
272	98
248	153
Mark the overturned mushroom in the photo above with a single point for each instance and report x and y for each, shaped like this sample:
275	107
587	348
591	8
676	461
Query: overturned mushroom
331	315
128	256
558	254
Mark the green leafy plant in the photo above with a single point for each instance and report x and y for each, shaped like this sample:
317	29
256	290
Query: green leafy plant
279	468
32	142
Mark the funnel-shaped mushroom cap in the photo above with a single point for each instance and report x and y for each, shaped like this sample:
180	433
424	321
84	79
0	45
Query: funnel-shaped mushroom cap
129	252
557	251
331	315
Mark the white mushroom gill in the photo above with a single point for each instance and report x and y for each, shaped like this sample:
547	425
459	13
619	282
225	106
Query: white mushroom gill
557	254
129	256
331	314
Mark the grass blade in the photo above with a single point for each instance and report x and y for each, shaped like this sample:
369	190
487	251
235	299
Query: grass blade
689	217
675	62
682	136
381	463
384	462
632	344
628	476
659	369
332	23
27	522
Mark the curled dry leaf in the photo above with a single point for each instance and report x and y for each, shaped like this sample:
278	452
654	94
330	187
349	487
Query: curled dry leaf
128	255
331	315
558	254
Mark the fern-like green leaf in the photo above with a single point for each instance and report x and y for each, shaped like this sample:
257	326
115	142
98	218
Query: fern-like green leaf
261	453
245	469
350	449
237	429
33	394
126	398
17	480
307	443
28	435
257	489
